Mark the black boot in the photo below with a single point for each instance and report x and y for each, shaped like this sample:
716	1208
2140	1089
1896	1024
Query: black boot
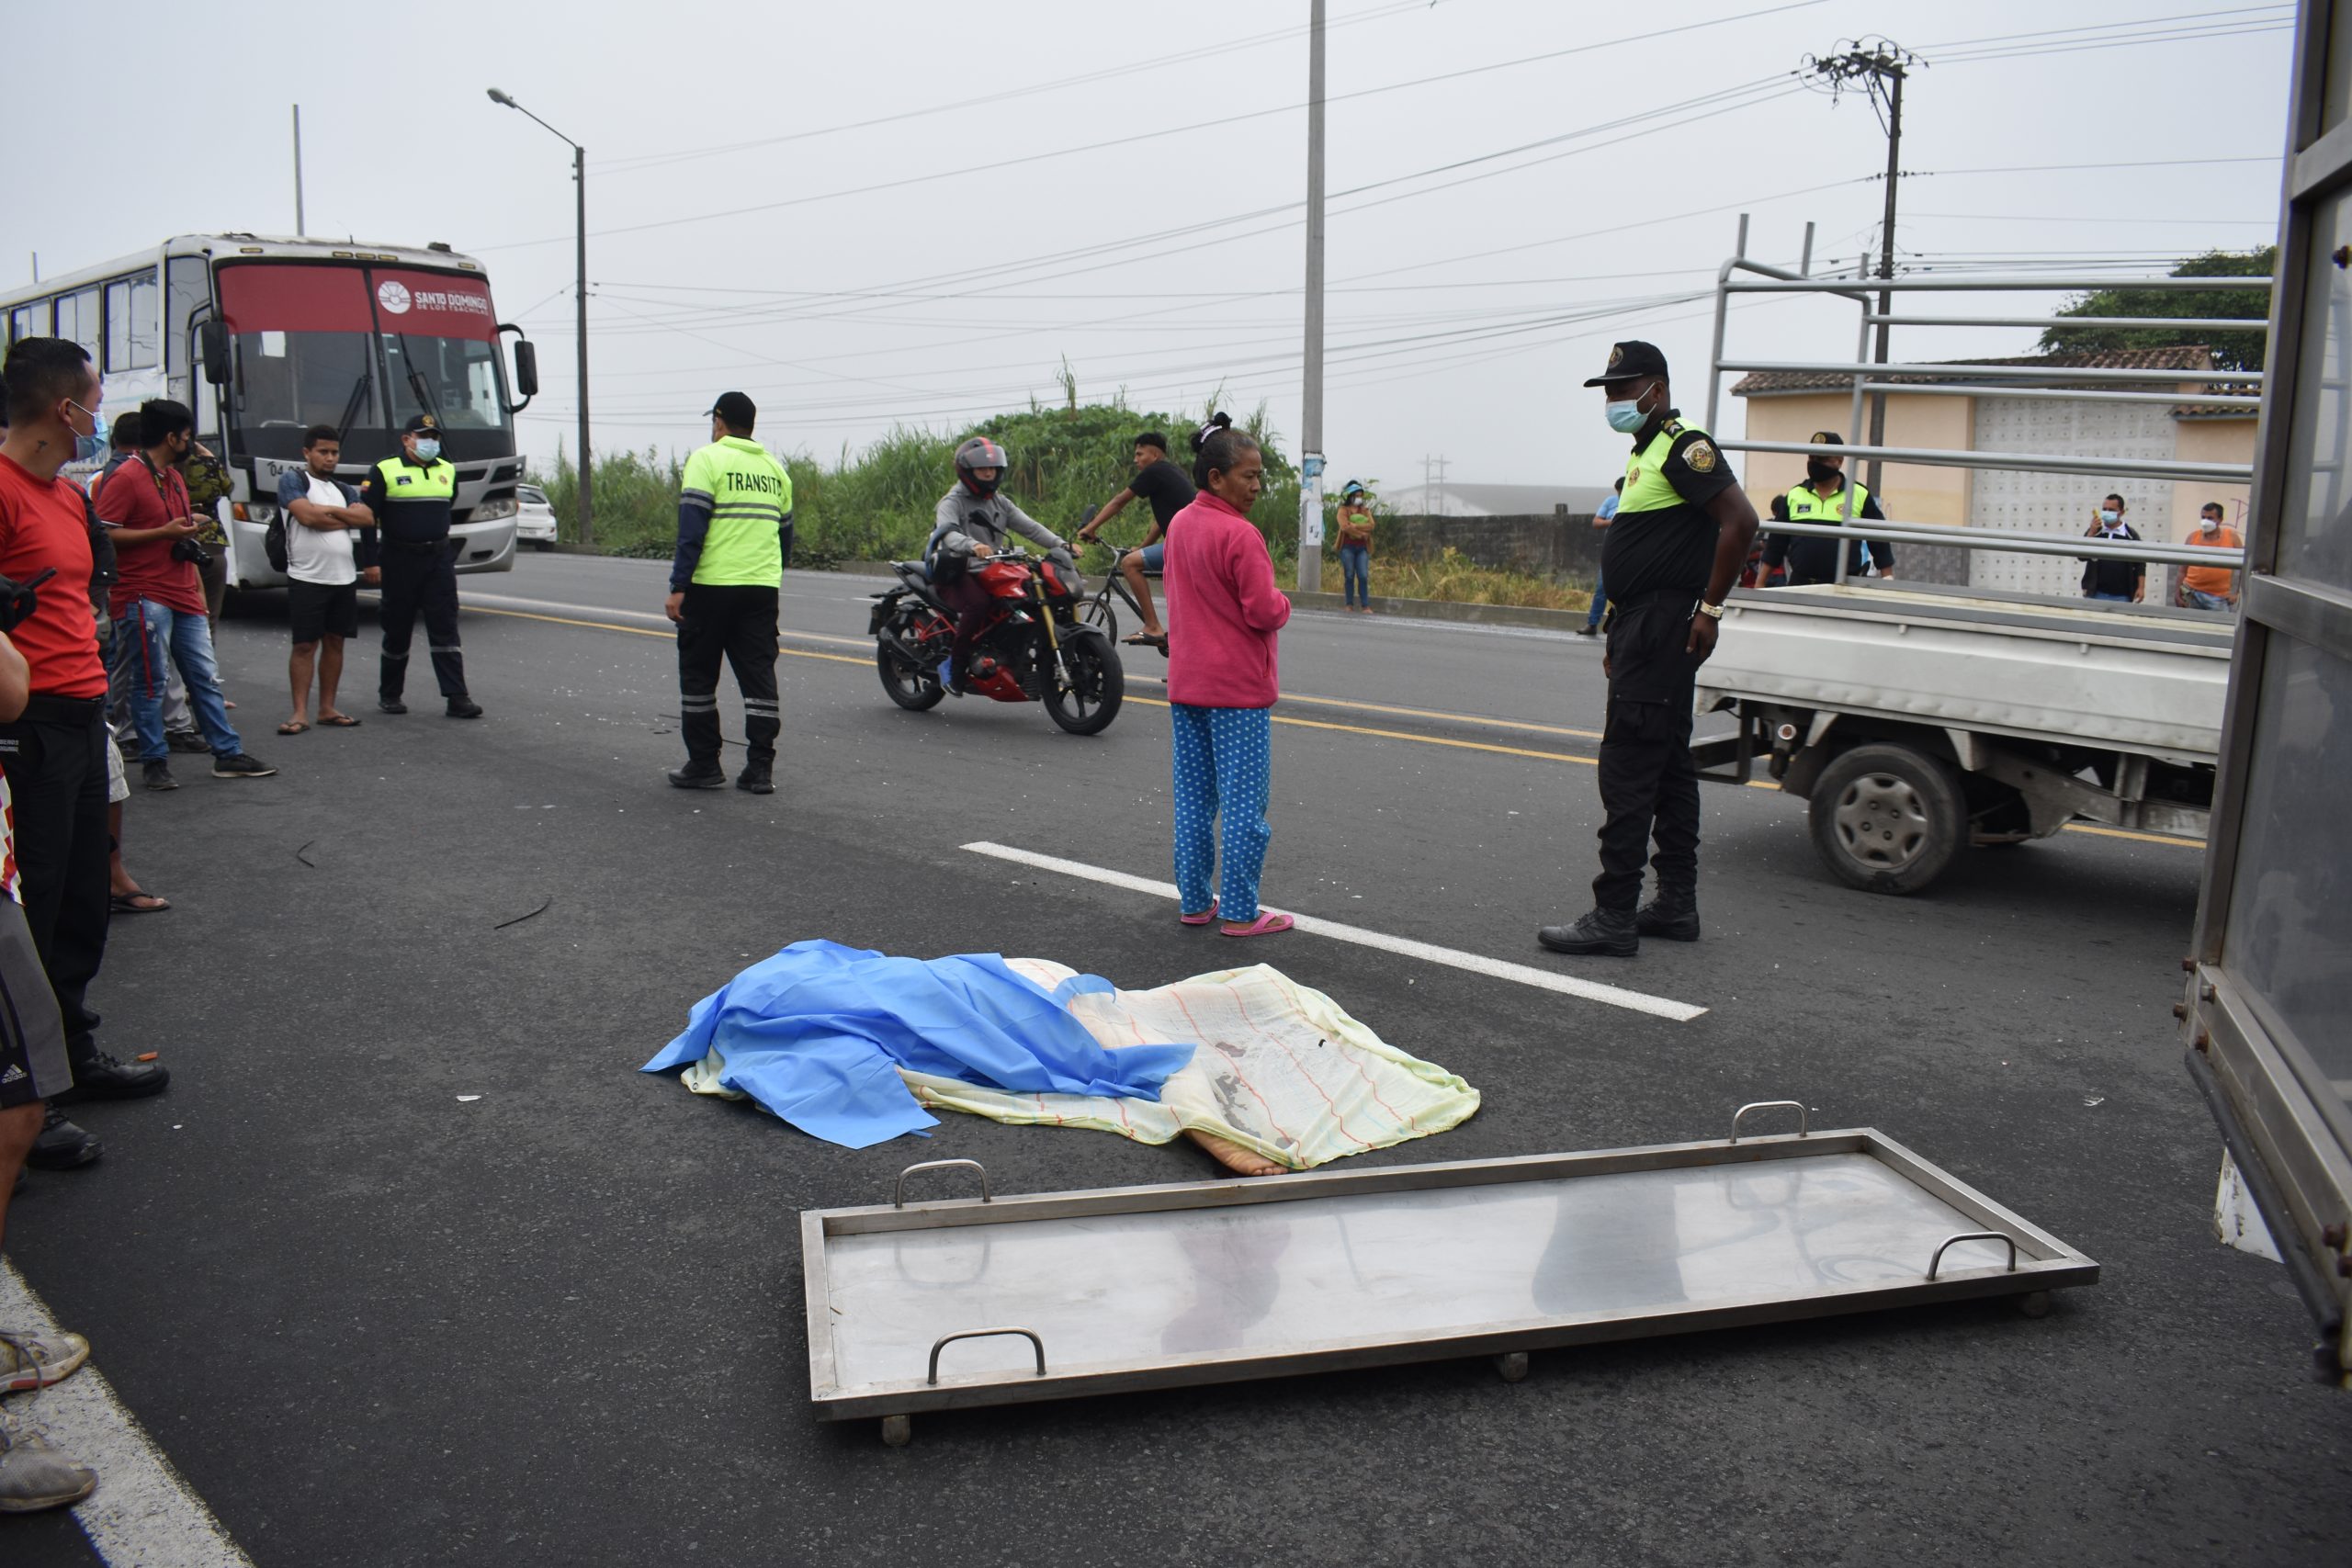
1602	931
700	773
100	1076
1673	914
62	1145
757	778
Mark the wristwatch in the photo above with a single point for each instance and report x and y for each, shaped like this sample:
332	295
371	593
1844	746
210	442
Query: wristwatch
1713	612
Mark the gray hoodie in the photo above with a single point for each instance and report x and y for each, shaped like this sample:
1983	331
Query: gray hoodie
962	518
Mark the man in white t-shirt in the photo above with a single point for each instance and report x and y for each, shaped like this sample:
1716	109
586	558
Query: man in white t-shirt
322	600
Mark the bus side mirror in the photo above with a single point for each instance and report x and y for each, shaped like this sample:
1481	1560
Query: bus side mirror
212	346
526	367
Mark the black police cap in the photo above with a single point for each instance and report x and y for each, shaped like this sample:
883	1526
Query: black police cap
1630	361
420	423
1826	438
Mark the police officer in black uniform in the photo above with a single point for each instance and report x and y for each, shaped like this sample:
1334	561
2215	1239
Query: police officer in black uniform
1672	553
413	496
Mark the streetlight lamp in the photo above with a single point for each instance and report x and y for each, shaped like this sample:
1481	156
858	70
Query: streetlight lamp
580	179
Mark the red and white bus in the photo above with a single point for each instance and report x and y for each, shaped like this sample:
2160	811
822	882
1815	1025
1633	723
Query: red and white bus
264	337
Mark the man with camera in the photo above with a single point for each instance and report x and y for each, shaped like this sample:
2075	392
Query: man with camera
158	597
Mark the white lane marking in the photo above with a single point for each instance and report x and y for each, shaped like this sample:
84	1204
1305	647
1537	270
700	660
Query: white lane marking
143	1513
651	617
1476	964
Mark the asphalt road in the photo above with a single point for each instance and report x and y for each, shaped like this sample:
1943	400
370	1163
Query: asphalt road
561	1323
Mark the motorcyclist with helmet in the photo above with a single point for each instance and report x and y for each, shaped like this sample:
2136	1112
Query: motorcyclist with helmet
972	522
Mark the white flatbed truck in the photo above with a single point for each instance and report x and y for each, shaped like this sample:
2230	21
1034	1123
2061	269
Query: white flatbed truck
1918	721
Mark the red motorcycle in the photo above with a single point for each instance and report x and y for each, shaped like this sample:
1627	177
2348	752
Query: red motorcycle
1035	649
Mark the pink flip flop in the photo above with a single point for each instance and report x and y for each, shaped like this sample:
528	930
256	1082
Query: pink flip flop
1267	923
1203	918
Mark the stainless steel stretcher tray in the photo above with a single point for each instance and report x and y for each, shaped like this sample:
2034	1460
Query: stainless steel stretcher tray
970	1301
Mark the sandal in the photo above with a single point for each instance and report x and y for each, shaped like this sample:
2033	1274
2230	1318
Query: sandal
341	721
128	903
1147	639
1267	923
292	726
1203	918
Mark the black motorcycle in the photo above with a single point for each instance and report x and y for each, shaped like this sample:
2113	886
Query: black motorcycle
1035	649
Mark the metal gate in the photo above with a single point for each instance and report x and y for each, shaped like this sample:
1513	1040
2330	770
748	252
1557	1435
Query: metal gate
2269	994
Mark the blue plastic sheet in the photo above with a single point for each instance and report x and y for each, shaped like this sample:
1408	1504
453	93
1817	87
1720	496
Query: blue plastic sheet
817	1033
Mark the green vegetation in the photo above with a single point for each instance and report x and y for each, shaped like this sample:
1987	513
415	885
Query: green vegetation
879	504
2231	351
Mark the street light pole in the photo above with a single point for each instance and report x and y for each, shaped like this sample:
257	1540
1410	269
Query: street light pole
1310	484
580	179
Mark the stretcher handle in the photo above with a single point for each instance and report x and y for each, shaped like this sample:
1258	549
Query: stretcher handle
1795	1105
1028	1333
1937	1261
898	1198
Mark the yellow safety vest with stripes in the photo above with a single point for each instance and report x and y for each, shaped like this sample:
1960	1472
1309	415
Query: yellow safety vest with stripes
1807	505
749	495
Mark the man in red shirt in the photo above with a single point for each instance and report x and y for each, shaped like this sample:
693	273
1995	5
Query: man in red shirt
53	752
158	597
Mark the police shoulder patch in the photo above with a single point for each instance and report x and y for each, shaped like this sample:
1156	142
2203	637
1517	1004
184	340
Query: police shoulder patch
1699	456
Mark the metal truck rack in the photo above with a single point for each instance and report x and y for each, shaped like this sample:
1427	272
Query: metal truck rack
959	1302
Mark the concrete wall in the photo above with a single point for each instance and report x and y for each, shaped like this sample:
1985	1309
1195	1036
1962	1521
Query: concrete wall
1567	548
1908	492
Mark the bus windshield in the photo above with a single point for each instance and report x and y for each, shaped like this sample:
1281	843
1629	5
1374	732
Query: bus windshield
362	348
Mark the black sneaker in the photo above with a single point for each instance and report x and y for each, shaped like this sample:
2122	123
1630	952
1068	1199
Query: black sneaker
391	704
1588	629
158	776
186	741
62	1145
101	1076
240	766
756	778
699	775
1609	931
464	707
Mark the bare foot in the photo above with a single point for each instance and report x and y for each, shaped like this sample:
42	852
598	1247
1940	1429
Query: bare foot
1235	1159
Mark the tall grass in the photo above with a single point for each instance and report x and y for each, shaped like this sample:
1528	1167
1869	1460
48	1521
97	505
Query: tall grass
879	504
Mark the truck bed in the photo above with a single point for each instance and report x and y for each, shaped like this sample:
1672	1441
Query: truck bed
2124	677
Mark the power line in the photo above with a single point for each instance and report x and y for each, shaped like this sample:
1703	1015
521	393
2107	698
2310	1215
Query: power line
999	164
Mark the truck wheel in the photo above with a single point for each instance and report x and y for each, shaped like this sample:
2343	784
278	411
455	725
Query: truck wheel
1887	819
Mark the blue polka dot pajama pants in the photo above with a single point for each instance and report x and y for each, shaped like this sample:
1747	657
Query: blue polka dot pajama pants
1224	767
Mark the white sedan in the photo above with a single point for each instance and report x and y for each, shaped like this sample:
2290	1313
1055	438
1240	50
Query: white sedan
534	517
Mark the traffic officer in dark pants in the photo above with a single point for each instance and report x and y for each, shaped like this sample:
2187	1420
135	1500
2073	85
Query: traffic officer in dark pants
1827	496
734	538
411	496
1673	551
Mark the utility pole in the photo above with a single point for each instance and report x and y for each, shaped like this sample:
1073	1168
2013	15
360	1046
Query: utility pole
580	178
300	226
1310	466
1879	68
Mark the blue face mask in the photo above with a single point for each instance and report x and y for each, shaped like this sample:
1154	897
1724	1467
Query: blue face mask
2110	518
428	450
90	447
1626	417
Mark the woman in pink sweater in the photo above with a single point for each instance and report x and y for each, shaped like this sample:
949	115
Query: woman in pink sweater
1223	613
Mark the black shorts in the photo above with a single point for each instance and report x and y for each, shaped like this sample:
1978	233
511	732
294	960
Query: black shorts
315	609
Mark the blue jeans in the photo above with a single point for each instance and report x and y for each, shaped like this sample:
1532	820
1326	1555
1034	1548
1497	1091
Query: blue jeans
158	633
1599	599
1223	768
2197	599
1356	572
2118	598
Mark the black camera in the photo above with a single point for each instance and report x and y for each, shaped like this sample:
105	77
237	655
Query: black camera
189	551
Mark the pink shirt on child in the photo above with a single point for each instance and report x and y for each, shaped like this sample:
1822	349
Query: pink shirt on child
1223	609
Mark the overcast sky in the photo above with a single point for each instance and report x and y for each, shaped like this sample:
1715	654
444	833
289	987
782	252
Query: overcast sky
913	212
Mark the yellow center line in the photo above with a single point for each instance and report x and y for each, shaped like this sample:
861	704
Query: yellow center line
1308	723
